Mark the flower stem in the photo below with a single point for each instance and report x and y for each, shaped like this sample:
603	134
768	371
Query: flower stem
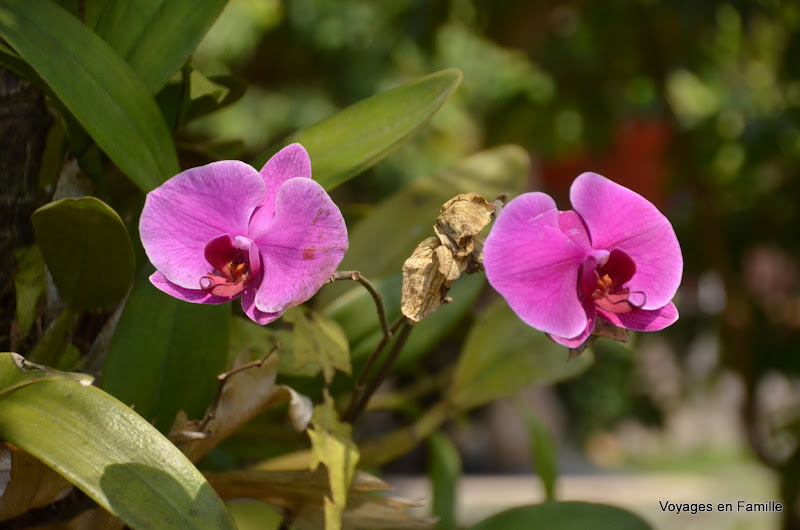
360	399
357	276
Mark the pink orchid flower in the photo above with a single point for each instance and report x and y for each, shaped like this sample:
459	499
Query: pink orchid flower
615	257
223	230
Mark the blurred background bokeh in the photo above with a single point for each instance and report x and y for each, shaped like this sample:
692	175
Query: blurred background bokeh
695	105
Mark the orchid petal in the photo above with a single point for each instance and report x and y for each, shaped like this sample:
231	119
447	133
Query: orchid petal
253	256
591	317
572	225
301	247
643	319
250	309
290	162
617	217
196	296
534	265
186	212
219	252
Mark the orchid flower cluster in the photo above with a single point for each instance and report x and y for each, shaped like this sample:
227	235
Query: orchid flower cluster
274	237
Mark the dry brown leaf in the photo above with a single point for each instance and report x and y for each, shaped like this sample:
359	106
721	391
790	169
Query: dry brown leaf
301	493
462	218
423	282
602	328
438	262
245	394
27	483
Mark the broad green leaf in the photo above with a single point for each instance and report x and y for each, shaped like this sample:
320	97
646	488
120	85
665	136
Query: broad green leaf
106	97
359	136
332	444
28	285
156	37
502	355
87	249
105	449
165	355
318	341
543	451
564	516
444	471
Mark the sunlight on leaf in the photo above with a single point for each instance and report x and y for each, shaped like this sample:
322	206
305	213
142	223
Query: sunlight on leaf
96	442
301	493
332	444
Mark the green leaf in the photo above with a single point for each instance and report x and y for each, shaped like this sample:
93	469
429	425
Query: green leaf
88	250
194	95
165	355
28	286
544	454
332	444
318	341
502	355
564	516
444	470
156	37
105	449
108	99
359	136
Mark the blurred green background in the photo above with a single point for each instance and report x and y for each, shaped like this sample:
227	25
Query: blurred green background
695	105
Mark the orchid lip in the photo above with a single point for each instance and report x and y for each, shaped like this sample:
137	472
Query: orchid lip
235	262
603	279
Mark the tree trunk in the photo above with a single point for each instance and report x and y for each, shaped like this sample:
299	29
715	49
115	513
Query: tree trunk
24	123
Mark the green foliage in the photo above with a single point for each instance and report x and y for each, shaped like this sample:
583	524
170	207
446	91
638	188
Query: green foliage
356	138
108	99
502	355
165	355
564	516
444	470
155	37
103	447
29	285
543	451
87	249
318	343
332	445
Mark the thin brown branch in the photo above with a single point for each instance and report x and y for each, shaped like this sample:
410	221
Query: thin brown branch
357	407
223	378
356	276
361	383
